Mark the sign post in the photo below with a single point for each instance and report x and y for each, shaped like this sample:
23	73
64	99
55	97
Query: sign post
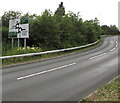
18	42
12	43
19	28
25	43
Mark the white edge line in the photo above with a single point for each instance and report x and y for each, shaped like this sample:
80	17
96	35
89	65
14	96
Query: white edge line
100	87
112	49
39	73
113	79
116	44
97	56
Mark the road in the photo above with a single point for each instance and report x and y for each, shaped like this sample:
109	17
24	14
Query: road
67	78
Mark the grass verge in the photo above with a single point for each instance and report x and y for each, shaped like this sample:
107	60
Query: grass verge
16	61
109	92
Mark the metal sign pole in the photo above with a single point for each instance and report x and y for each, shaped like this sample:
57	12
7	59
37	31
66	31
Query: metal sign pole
18	42
12	42
25	43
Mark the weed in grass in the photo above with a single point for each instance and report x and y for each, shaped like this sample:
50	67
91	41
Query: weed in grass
109	92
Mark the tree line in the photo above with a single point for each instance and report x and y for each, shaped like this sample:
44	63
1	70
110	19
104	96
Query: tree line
58	30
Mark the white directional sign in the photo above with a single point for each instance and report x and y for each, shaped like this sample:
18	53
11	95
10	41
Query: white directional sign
24	24
19	28
13	25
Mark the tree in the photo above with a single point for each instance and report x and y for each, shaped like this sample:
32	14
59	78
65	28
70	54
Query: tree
60	10
109	30
113	30
97	28
5	23
59	30
44	31
90	31
9	15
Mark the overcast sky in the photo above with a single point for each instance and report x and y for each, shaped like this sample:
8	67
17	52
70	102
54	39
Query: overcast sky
105	10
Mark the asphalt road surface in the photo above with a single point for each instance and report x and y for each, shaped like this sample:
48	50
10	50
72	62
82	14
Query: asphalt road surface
68	78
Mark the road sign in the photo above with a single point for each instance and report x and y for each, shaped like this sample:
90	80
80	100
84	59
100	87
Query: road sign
19	28
13	25
24	24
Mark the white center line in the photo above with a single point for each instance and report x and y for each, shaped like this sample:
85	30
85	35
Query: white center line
105	53
43	72
116	44
112	49
97	56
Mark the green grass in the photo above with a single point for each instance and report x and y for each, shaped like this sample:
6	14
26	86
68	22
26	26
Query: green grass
21	50
109	92
15	61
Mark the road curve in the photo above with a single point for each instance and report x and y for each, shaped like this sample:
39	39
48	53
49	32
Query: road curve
68	78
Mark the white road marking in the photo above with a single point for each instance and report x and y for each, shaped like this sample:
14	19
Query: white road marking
97	56
91	94
113	79
116	44
98	88
43	72
116	41
39	73
112	49
106	53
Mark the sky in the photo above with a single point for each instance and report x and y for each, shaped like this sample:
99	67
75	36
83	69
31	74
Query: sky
105	10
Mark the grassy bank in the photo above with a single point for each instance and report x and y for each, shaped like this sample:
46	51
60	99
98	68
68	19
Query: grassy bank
109	92
19	60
